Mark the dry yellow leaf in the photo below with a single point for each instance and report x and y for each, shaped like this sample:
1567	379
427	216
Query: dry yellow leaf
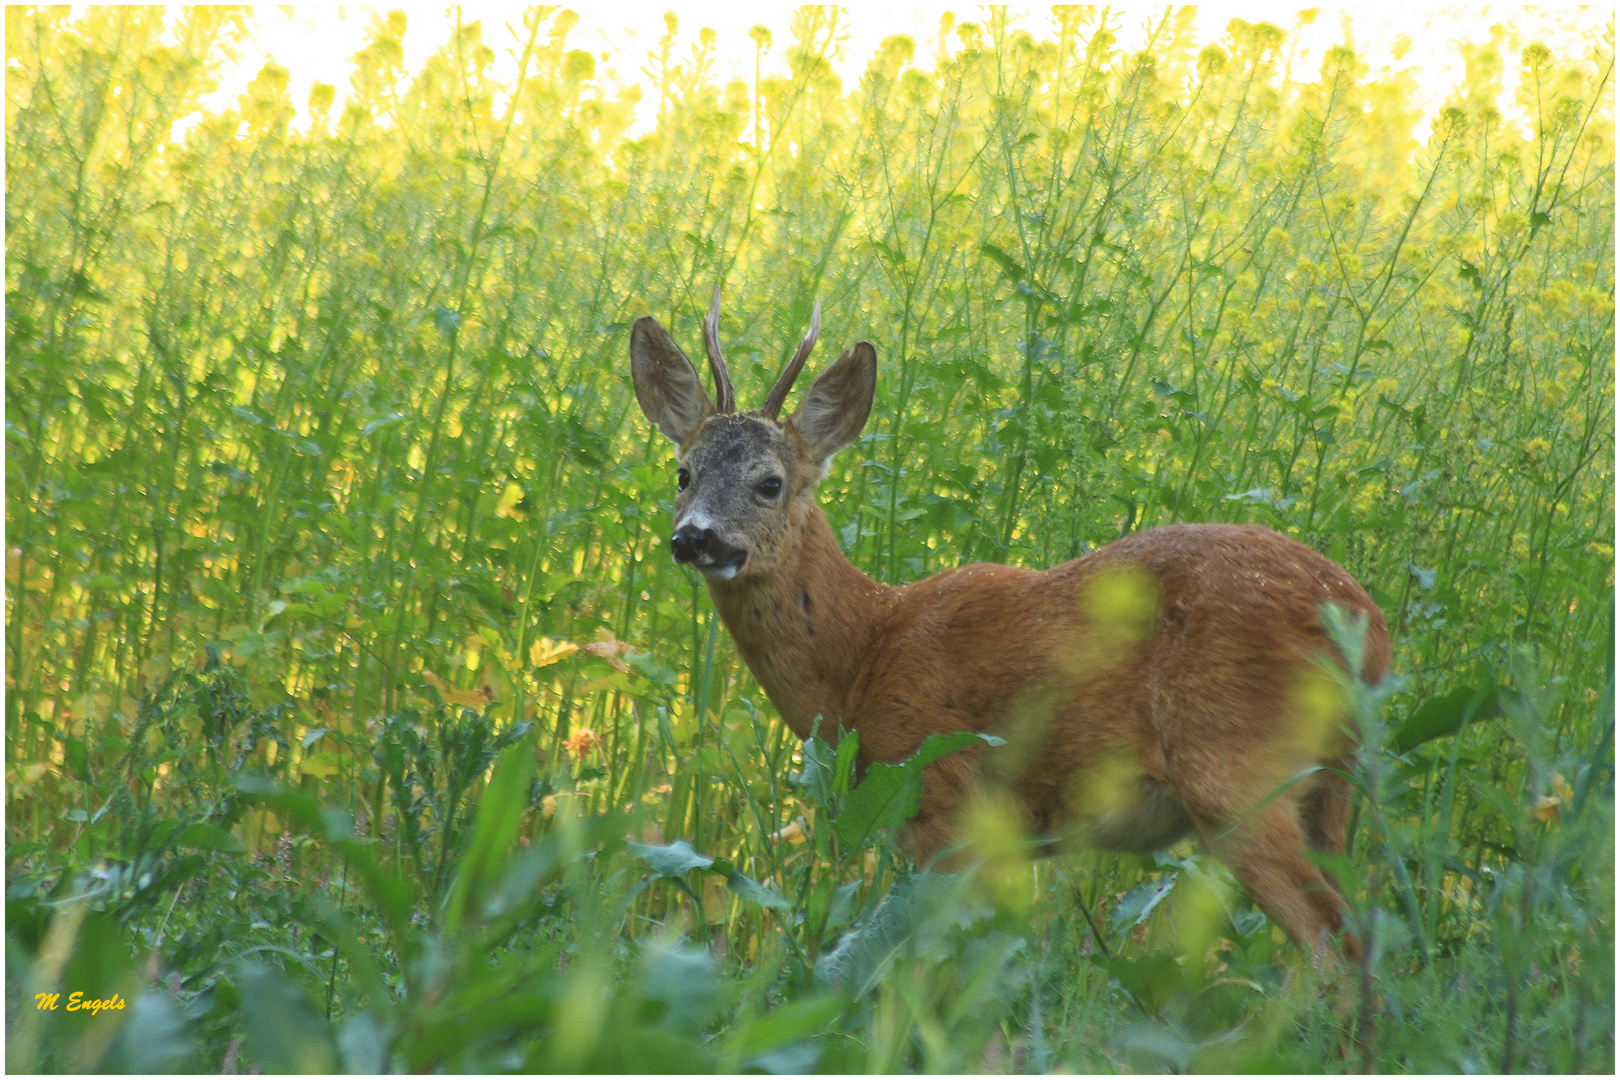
610	651
792	832
476	698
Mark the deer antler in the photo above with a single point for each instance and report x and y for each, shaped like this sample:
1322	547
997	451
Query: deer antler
784	382
727	398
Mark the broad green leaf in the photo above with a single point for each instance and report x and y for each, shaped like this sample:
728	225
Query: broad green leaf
890	794
862	956
1150	979
284	1034
1446	714
211	838
670	860
817	775
157	1038
749	889
787	1025
684	981
1139	903
363	1043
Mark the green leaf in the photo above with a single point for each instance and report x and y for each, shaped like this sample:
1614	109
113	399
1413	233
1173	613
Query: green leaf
211	838
363	1042
749	889
391	893
1138	904
1446	714
797	1060
157	1039
341	929
284	1034
843	905
890	794
101	968
292	806
684	981
523	876
649	668
495	829
1425	578
817	776
670	860
1164	389
1008	264
78	759
888	797
933	908
784	1027
862	956
446	320
844	763
326	763
378	424
1150	979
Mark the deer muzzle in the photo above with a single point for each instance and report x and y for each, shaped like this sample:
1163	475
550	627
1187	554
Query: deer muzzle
704	549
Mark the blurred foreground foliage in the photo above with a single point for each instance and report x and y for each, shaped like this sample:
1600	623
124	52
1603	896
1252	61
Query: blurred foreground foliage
343	657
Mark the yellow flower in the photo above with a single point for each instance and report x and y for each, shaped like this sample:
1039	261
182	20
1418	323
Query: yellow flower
582	742
545	651
1549	807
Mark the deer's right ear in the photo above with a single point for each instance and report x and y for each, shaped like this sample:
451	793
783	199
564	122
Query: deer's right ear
666	383
837	404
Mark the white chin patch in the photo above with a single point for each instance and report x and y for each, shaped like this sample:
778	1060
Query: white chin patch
724	573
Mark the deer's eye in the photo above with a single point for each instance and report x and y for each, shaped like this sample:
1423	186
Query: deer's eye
682	478
770	487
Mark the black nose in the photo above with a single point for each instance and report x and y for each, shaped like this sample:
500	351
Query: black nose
689	542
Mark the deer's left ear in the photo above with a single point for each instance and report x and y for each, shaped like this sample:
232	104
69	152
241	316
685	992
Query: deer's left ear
837	404
666	383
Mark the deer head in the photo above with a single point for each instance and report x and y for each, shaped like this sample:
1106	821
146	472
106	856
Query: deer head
746	480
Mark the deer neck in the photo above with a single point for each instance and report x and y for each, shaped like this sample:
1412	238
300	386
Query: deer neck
805	625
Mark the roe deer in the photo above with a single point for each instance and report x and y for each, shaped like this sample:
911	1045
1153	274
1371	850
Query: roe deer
1164	685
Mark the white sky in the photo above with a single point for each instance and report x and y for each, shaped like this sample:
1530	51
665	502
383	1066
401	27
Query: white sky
314	41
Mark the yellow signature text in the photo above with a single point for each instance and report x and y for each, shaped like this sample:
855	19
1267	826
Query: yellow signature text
77	1002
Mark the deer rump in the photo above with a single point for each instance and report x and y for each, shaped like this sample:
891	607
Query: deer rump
1175	682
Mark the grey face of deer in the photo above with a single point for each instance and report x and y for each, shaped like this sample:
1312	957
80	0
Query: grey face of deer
739	475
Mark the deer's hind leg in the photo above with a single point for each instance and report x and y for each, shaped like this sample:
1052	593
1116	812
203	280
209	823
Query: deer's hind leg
1325	814
1267	856
1261	834
1324	810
